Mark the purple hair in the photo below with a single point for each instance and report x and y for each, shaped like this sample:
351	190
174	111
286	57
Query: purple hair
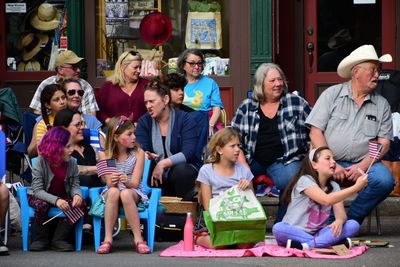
52	144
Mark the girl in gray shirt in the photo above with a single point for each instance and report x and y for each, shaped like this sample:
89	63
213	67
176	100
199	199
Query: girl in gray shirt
311	196
222	172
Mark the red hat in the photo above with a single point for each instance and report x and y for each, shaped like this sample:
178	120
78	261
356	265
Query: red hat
155	28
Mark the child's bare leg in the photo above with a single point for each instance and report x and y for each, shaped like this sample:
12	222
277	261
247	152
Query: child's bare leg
129	200
111	212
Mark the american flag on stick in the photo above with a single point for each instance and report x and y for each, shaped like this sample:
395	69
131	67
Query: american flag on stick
105	167
374	149
73	215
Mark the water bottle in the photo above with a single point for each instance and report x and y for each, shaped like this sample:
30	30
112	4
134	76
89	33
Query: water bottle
188	233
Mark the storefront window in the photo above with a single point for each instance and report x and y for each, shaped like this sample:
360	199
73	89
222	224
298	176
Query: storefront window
35	31
118	29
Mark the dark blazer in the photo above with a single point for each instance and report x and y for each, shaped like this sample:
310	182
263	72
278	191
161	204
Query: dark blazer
184	136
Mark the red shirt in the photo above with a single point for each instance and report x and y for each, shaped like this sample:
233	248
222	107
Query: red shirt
113	101
57	186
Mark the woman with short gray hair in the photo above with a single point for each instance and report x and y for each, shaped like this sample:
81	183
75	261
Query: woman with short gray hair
272	126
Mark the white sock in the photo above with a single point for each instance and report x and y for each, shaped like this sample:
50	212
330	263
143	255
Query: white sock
305	246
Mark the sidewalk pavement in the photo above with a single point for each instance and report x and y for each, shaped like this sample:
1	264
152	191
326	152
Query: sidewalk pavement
124	255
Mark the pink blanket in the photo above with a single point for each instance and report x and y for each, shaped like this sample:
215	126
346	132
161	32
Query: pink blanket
258	251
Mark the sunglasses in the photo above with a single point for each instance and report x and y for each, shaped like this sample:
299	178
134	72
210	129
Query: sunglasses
192	64
73	67
133	53
74	91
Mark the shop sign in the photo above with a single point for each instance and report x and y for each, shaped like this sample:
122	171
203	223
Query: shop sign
15	7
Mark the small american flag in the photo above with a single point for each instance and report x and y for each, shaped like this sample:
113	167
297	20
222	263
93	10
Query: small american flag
105	167
73	215
374	149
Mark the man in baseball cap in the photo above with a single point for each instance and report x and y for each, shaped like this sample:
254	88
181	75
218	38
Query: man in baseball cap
68	65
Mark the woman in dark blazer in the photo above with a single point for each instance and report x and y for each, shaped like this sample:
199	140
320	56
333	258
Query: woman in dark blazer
169	137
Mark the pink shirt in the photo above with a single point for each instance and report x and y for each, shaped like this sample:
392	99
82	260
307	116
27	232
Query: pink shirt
113	101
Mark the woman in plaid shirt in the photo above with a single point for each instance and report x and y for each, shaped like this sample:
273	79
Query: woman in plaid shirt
272	126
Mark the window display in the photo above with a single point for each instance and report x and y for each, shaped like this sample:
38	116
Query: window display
34	30
162	37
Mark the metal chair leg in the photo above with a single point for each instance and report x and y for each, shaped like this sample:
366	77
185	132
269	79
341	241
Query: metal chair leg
378	220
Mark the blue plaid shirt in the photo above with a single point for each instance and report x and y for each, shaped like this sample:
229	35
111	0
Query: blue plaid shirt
292	114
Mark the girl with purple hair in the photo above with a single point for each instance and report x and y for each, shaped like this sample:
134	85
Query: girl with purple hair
55	182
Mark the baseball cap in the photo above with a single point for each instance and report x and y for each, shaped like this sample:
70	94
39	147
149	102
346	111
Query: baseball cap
67	57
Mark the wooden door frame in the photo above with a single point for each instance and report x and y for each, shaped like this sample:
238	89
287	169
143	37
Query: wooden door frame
388	46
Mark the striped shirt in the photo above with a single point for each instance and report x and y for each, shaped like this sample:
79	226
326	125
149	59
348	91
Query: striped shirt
292	114
127	167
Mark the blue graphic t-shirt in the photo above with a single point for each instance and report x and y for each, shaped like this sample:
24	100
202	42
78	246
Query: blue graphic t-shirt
202	95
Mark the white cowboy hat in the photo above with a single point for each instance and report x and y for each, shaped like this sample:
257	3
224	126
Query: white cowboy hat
359	55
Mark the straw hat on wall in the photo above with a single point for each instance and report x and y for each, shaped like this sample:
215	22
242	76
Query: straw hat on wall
32	44
46	17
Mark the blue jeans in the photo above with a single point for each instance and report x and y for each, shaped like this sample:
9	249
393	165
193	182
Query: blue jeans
380	184
281	175
323	238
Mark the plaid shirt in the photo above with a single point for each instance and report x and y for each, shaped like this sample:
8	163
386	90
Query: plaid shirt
88	105
292	115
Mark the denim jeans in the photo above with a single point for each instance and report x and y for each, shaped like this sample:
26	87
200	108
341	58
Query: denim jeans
281	175
323	238
380	184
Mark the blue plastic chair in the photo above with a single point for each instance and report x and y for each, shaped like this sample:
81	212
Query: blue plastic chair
28	215
148	214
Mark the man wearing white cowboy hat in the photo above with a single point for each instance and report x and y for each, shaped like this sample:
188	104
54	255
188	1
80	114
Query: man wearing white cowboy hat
68	66
346	117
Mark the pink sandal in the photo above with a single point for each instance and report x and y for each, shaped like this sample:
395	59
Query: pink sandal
142	247
104	248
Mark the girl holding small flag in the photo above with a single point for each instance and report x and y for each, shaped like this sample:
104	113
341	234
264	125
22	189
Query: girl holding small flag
311	195
55	182
121	164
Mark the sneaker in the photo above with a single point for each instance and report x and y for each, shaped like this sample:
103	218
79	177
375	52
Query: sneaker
294	244
3	249
274	192
347	242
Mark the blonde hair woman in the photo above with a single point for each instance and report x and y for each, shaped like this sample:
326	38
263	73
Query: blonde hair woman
122	93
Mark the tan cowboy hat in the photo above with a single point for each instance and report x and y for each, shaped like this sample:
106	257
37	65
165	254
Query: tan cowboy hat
46	17
32	43
359	55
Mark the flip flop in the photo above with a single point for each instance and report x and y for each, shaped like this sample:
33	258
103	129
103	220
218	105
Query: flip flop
142	247
104	248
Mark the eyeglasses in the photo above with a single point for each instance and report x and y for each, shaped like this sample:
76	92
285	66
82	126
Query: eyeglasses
133	53
372	70
73	67
72	92
121	122
192	64
78	124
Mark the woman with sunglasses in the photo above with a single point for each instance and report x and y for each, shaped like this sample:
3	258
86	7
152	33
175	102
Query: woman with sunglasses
169	137
201	93
122	93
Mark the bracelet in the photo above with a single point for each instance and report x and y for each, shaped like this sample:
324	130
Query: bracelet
211	125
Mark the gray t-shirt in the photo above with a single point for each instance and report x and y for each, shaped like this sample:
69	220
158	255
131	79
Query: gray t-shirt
304	212
218	183
348	128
